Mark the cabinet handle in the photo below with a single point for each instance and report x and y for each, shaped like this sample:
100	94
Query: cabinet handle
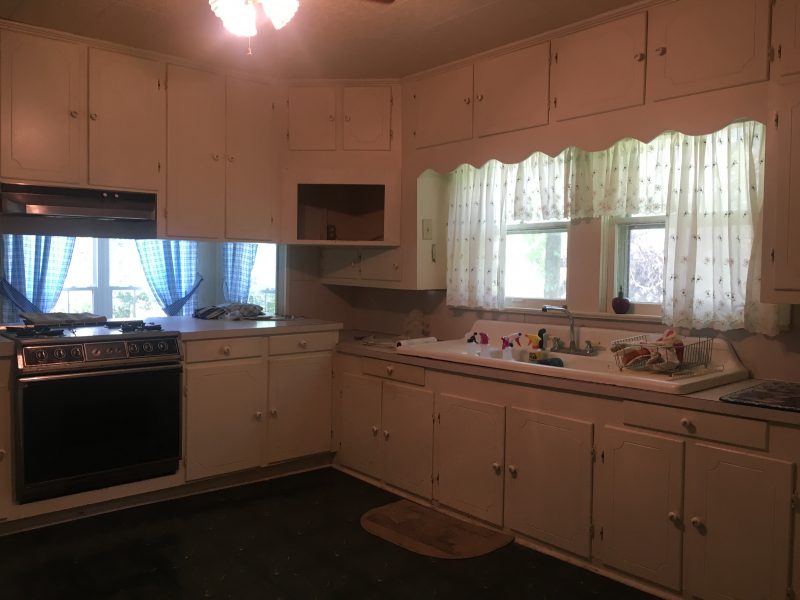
686	423
467	100
479	97
661	50
389	369
697	522
639	57
386	434
215	157
374	430
513	470
231	158
347	118
303	344
497	468
331	118
395	266
673	516
93	116
259	415
226	350
273	412
73	114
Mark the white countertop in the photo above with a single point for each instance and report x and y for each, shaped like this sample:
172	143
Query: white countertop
200	329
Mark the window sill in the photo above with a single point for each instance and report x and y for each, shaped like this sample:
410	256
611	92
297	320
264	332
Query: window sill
595	316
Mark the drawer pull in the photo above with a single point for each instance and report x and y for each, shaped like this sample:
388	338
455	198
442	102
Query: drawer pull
513	470
389	369
687	425
226	350
303	344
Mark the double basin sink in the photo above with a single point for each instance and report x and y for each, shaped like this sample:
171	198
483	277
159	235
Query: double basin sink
599	367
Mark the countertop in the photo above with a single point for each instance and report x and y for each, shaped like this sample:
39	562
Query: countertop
705	400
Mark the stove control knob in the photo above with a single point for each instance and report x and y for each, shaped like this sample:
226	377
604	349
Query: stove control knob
96	352
162	346
147	347
75	353
133	348
60	353
40	355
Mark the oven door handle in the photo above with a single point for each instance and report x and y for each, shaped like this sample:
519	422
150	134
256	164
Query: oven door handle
84	374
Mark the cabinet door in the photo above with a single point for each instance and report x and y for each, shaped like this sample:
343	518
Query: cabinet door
781	254
340	263
195	153
43	98
739	524
225	406
443	105
407	421
5	442
468	456
312	117
552	505
361	422
512	90
250	199
700	45
299	406
786	36
380	264
599	69
367	117
639	503
127	131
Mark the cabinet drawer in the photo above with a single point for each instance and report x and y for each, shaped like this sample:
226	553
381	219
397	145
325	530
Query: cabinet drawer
302	342
223	349
396	371
719	428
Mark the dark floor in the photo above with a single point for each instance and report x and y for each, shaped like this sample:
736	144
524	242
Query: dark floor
296	537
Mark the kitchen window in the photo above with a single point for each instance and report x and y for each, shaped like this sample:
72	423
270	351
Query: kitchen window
536	263
639	267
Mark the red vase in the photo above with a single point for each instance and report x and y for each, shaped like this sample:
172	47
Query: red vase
620	304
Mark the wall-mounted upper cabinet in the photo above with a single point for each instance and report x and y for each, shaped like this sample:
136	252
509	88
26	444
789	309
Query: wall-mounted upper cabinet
786	36
443	108
512	90
218	184
700	45
364	117
599	69
43	101
49	121
126	120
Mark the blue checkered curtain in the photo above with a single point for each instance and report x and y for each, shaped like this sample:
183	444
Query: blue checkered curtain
170	268
237	259
35	267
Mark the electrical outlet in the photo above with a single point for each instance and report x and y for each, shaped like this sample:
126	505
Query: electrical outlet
427	229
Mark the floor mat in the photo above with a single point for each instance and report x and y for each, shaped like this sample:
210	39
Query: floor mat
425	531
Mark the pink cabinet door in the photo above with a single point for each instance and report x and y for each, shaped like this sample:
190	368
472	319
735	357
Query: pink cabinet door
786	36
700	45
443	107
367	117
599	69
312	117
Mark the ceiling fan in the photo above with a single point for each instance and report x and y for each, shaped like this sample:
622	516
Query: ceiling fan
239	16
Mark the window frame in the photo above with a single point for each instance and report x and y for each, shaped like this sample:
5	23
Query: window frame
620	228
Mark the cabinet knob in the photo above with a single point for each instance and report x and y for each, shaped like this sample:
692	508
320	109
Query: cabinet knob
479	97
226	350
697	522
231	158
273	412
639	57
661	50
93	116
389	369
374	430
215	157
331	118
686	423
259	415
467	100
497	468
303	344
2	454
73	114
347	118
386	434
513	470
395	266
673	516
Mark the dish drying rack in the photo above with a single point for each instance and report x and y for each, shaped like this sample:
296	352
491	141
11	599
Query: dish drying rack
663	357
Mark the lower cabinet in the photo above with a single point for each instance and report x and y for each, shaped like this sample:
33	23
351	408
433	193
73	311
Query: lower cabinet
387	432
548	486
5	441
468	456
226	401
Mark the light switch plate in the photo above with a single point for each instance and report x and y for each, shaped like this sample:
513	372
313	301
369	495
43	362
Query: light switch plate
427	229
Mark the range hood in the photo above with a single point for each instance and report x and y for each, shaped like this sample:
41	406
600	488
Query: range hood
49	210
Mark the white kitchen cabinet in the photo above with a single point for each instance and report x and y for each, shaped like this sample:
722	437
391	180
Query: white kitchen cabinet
781	220
299	405
512	90
312	117
639	504
43	104
548	483
387	431
367	117
218	155
738	524
226	404
361	265
786	36
700	45
443	107
599	69
126	120
469	439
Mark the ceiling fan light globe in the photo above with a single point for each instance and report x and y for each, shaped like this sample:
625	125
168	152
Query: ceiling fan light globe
237	16
280	12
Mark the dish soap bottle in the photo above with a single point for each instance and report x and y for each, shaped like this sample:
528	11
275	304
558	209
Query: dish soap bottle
620	304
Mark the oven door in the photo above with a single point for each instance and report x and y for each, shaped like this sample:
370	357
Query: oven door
83	431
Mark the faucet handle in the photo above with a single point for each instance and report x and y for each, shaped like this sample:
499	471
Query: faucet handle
589	348
556	343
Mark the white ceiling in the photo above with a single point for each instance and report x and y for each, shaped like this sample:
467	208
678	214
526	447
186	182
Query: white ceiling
327	38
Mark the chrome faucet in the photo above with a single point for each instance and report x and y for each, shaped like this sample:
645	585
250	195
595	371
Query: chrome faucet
573	343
